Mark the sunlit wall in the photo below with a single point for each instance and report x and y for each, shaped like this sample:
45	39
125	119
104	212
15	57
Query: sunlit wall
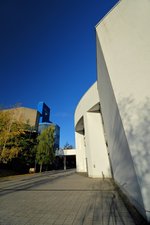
123	57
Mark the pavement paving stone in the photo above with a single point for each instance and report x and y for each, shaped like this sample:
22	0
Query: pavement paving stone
65	198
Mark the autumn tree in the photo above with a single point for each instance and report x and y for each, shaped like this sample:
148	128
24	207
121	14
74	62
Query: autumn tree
45	147
27	154
16	139
9	132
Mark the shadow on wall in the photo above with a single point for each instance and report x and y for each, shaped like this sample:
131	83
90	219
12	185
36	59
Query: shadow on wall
136	119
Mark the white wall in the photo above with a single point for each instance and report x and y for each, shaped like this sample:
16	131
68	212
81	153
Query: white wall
88	100
91	155
69	151
80	153
123	57
97	156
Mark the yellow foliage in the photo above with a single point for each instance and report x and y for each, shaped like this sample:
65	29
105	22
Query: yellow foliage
8	154
10	129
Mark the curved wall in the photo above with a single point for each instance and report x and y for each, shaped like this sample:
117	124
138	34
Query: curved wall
88	100
91	153
123	56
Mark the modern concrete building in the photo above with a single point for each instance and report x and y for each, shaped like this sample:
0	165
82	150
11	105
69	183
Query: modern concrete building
91	153
25	115
112	122
69	157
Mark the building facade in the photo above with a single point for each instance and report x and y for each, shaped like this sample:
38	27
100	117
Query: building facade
25	115
91	148
44	122
112	119
38	119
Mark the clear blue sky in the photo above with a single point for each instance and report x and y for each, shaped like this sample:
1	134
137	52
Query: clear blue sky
48	53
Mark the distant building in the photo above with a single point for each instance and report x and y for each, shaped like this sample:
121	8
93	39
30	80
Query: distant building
44	111
44	122
38	119
25	115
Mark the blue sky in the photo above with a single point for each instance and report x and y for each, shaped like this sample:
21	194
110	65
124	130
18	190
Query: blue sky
48	53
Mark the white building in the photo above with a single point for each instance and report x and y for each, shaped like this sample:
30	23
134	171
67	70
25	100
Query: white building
112	121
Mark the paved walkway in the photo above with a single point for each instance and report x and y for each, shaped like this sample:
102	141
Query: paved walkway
64	198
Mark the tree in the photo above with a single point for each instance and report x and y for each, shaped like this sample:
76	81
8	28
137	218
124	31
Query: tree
27	143
68	146
10	130
45	147
17	140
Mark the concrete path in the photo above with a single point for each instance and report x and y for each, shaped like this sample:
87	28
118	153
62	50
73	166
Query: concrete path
64	198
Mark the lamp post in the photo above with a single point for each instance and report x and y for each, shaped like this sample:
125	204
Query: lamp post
64	162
